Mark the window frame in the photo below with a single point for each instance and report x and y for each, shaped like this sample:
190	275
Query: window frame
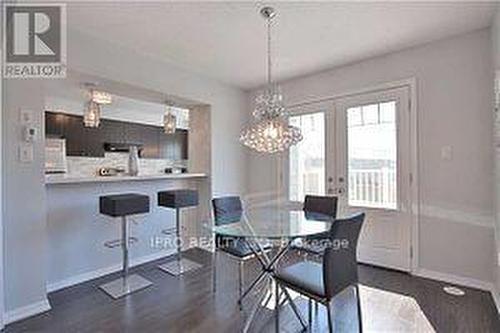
284	167
388	99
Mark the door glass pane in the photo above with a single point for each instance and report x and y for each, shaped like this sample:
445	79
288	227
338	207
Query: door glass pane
307	159
372	154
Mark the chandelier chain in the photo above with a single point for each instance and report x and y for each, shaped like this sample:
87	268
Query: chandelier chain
269	64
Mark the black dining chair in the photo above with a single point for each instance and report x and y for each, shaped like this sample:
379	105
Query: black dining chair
326	205
317	207
229	210
338	271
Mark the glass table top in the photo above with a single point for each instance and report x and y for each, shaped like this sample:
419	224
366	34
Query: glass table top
274	223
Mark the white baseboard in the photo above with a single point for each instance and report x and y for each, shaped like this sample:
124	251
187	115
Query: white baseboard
105	271
26	311
454	279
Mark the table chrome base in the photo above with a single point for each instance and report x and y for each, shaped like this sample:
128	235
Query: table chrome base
267	276
124	286
179	266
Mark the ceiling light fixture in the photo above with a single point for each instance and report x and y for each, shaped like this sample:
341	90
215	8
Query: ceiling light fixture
101	97
271	132
92	112
169	120
92	115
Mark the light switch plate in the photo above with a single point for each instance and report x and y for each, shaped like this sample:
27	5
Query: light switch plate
447	153
26	152
27	117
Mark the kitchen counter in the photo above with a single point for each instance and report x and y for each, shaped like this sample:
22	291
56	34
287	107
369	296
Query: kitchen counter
75	225
65	179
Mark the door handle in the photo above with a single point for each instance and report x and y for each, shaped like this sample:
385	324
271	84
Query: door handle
338	190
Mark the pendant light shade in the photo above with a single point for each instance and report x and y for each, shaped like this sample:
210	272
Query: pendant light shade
92	115
92	112
270	131
169	121
101	97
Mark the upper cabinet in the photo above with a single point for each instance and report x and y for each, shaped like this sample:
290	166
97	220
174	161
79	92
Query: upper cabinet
84	141
174	146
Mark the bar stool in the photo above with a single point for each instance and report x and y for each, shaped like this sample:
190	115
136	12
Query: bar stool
178	199
123	205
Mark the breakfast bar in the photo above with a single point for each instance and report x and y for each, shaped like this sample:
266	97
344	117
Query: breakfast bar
77	232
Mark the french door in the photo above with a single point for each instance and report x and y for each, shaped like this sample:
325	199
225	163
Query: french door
358	148
369	171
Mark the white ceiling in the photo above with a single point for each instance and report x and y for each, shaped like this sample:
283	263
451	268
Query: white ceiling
226	40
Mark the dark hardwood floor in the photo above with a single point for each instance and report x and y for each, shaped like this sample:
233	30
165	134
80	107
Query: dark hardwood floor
391	301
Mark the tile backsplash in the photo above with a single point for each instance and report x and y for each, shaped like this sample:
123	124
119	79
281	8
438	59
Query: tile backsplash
89	166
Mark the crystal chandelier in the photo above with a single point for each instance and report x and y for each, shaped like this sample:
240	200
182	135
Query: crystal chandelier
92	112
169	120
271	132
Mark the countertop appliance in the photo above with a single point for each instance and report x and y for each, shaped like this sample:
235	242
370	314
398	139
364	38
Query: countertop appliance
55	155
109	172
120	147
175	170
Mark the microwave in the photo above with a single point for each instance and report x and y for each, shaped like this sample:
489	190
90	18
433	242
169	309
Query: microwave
55	155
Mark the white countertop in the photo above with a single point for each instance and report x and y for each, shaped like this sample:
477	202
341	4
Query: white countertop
65	179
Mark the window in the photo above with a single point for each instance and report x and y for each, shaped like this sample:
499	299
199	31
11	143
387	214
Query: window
307	159
372	153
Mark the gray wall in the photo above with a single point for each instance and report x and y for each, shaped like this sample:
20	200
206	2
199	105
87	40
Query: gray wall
25	202
495	37
495	34
454	109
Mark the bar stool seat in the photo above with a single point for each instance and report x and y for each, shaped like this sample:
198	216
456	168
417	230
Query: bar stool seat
177	199
123	205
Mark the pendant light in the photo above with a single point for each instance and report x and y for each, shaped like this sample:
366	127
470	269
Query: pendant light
169	120
270	132
92	112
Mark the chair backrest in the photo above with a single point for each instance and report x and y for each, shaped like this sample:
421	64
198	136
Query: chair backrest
340	268
321	204
227	210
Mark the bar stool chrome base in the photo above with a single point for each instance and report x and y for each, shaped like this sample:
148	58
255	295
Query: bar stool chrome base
178	199
180	266
125	285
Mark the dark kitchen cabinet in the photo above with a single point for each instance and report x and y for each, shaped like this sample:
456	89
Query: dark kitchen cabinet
54	124
150	142
85	141
112	131
182	144
174	146
81	140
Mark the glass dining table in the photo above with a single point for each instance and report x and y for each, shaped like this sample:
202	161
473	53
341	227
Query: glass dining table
279	227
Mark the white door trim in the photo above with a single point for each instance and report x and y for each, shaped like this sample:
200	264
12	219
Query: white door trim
318	104
2	112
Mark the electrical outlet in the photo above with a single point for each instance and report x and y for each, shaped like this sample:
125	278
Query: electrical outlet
26	152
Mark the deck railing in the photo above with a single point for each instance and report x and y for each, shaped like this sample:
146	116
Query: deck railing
372	188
